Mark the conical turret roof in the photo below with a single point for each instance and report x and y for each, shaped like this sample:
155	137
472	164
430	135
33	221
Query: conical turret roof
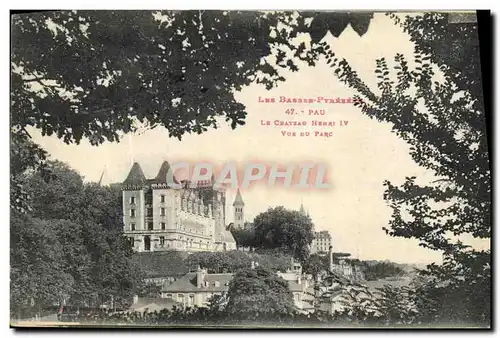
135	176
238	200
162	173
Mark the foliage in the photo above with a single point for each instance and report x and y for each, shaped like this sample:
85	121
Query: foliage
79	227
244	237
442	119
95	74
25	156
38	270
445	296
316	264
251	288
148	289
380	270
232	261
287	230
218	262
92	73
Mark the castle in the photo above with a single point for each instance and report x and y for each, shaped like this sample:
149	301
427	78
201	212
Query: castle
159	218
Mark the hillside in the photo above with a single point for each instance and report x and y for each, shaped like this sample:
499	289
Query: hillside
158	263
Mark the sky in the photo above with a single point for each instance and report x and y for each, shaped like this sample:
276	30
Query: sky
359	156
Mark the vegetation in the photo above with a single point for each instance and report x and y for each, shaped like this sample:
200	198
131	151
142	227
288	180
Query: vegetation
245	238
381	270
72	77
66	243
69	248
231	261
251	288
443	121
288	230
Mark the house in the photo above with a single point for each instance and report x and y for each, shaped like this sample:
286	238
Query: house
196	288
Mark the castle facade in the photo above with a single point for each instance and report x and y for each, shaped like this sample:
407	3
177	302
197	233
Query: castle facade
159	218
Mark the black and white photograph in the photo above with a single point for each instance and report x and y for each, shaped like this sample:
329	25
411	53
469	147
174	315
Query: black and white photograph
247	169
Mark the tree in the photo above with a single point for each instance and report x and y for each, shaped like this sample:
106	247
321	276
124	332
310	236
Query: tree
315	265
95	72
287	230
244	237
60	196
83	222
394	305
38	276
250	289
219	262
380	270
232	261
25	156
443	121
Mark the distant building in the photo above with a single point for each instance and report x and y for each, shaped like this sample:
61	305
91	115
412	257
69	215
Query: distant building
321	242
239	214
158	218
344	268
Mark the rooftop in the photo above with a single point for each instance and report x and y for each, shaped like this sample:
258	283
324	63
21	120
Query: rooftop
238	201
136	176
188	283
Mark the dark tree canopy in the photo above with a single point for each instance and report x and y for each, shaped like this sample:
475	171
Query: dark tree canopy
443	121
70	246
97	72
101	74
287	230
250	289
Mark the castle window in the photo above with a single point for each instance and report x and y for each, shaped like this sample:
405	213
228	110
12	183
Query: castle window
132	212
162	198
180	297
169	295
131	241
163	225
162	211
132	226
162	240
149	212
132	200
150	225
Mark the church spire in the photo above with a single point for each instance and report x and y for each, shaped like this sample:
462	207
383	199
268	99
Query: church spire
239	217
238	201
302	211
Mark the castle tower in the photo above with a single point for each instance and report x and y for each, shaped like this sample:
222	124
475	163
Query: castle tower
133	205
239	205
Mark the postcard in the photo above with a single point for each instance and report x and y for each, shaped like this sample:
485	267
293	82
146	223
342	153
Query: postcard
249	169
